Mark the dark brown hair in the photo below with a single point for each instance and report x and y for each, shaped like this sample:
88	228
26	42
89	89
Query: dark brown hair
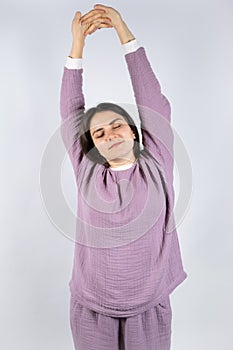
86	141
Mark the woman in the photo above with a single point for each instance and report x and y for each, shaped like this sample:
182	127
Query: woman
127	258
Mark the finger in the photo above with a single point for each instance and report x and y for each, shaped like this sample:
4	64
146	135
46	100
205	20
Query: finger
93	28
105	25
89	17
95	18
99	6
85	26
91	13
97	23
89	31
77	14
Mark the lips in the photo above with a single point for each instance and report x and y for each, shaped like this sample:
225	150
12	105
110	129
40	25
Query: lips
116	144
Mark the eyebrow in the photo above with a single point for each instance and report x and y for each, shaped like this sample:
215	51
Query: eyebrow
113	121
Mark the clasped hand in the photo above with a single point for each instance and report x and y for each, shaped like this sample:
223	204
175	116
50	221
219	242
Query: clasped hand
100	16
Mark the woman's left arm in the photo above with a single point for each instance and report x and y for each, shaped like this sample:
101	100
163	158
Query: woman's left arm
147	89
154	109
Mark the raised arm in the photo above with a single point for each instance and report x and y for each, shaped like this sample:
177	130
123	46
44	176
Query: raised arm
72	103
71	98
154	108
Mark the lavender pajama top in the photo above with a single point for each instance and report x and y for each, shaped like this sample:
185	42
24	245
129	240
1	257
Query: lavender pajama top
127	256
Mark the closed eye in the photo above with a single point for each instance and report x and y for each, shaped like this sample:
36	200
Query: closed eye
118	126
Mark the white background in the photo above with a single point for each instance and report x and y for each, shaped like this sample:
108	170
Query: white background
190	47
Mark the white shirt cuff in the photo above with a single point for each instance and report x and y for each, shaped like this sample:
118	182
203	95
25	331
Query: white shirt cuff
131	46
74	63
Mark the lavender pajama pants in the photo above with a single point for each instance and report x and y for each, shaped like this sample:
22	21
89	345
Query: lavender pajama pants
150	330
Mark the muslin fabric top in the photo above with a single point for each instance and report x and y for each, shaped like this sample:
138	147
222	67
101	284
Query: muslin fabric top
127	255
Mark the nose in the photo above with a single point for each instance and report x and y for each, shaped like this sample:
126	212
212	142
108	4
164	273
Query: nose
110	135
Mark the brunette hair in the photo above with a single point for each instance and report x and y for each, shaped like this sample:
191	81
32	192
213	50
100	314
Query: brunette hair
86	141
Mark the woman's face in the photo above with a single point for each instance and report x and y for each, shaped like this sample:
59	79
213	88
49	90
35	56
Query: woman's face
112	136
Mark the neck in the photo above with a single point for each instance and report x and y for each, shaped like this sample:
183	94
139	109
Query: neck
119	161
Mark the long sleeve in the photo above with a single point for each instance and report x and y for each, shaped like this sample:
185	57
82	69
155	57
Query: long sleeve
72	106
154	109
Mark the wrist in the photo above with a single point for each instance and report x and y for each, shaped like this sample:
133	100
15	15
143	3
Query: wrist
124	33
119	22
120	27
76	50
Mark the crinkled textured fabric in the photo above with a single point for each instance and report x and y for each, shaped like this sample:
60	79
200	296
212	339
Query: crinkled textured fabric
150	330
127	256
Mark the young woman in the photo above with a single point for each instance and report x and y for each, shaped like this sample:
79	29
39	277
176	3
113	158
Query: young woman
127	258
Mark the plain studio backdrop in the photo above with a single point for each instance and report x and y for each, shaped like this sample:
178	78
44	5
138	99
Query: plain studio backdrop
189	45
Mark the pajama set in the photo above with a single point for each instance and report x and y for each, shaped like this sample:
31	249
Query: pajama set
127	258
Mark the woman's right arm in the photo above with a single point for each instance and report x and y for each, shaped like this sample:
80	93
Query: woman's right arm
72	103
73	76
72	106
